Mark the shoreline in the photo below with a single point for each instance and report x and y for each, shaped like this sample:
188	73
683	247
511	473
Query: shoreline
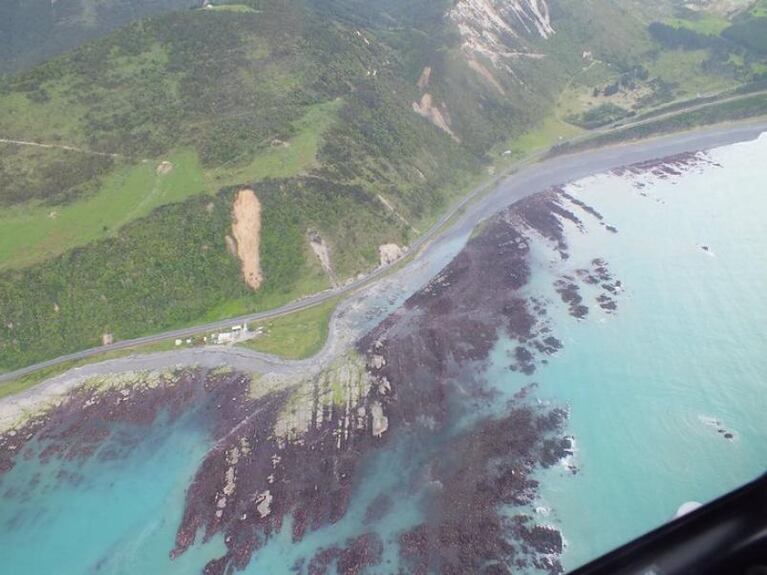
477	207
421	377
598	159
270	451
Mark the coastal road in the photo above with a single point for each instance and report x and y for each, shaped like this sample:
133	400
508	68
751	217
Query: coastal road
529	177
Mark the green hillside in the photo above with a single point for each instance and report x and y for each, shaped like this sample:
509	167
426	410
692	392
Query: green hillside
275	98
355	121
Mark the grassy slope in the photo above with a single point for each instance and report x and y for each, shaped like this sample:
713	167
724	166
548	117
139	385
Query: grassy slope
747	107
212	91
684	69
299	335
698	60
36	230
171	267
710	24
760	9
225	84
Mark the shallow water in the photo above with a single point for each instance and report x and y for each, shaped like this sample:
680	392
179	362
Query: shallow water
686	347
121	515
281	553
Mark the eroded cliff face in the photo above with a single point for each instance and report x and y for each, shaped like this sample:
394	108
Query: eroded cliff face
723	7
496	29
495	36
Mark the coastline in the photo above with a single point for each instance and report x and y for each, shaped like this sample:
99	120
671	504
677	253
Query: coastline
449	372
485	200
510	189
418	384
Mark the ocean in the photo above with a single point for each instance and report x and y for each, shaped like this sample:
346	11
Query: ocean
650	386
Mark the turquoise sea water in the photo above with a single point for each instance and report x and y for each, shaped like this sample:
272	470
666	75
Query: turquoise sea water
687	346
120	518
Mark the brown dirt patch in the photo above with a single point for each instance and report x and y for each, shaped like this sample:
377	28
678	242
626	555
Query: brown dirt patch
246	230
487	75
163	168
423	80
320	249
435	114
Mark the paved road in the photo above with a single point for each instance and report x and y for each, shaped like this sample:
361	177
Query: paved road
483	202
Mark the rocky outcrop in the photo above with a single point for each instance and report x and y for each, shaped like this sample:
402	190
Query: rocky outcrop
364	551
380	421
303	446
389	253
76	427
338	394
486	469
